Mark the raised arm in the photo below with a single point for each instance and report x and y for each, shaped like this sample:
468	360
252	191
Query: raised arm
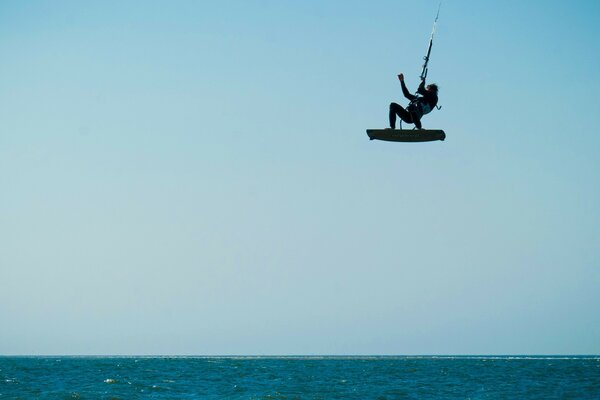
421	89
405	91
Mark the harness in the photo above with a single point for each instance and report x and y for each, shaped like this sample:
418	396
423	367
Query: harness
418	107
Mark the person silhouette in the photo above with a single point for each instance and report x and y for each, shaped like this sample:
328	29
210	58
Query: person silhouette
419	105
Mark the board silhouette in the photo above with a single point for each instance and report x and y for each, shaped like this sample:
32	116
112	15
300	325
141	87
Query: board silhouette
406	135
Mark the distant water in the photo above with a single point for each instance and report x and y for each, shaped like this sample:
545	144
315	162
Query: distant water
300	378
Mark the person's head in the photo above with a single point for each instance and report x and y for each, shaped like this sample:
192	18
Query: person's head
432	88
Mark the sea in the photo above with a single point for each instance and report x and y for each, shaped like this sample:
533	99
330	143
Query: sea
380	378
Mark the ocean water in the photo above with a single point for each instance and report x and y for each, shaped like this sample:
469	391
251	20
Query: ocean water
300	378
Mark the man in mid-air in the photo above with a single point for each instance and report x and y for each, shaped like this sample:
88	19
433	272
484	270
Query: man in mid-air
419	105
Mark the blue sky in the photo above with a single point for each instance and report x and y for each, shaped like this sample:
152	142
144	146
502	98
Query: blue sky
194	177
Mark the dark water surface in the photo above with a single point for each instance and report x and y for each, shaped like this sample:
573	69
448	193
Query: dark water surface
300	378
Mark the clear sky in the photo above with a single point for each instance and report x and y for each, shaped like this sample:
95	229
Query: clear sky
194	177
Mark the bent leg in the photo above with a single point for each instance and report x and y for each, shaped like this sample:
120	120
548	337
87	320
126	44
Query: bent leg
418	123
397	109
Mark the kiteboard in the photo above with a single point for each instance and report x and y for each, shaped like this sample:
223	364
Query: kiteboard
406	135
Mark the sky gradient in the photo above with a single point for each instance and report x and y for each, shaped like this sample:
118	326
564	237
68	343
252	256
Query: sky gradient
194	177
